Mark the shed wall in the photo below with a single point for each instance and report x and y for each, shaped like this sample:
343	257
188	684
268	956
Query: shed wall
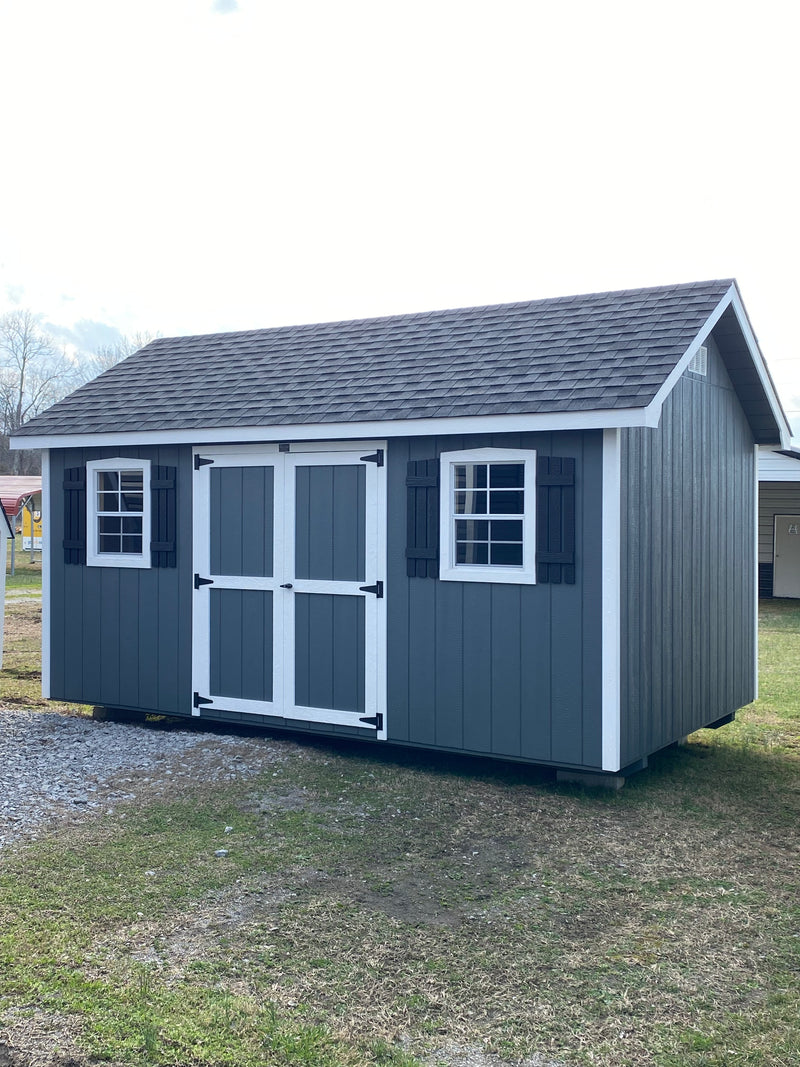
505	670
122	636
688	566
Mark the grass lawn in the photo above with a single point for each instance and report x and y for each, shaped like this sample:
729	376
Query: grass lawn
376	906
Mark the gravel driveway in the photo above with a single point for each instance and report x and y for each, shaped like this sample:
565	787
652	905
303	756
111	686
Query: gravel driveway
66	766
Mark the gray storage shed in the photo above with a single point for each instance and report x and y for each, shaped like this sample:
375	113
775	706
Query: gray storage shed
525	531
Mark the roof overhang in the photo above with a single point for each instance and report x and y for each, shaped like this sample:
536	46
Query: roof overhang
541	422
745	364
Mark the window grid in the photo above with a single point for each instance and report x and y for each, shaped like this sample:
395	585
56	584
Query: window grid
120	511
487	514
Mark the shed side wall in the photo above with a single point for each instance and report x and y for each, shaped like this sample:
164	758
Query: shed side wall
688	521
507	670
122	636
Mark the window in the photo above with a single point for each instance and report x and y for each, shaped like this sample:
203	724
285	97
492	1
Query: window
488	515
118	513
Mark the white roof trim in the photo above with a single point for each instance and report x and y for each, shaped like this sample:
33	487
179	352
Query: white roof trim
542	421
733	300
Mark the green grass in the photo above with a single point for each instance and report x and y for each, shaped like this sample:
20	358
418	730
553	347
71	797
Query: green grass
377	905
27	575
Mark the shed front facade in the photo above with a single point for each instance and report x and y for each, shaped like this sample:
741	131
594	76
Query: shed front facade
524	531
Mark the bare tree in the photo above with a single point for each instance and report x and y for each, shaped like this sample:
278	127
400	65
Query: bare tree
34	373
107	356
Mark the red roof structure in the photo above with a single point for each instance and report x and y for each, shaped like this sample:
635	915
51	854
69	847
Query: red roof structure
16	489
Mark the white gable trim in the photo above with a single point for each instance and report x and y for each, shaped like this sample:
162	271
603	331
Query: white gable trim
731	299
545	422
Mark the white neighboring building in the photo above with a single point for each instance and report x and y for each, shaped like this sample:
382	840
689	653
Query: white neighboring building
779	523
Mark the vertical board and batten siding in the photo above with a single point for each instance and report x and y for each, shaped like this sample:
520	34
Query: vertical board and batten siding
122	636
687	627
505	670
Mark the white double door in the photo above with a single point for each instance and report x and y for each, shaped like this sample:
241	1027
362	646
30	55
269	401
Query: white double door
289	569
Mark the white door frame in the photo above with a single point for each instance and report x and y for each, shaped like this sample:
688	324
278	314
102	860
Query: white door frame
285	463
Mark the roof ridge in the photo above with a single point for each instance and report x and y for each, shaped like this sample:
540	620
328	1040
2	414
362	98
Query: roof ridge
435	312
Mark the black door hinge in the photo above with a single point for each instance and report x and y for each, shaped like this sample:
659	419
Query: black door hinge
377	589
373	720
198	581
201	461
198	700
376	458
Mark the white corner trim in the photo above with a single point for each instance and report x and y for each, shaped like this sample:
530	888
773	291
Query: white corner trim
333	431
730	299
611	600
755	564
47	534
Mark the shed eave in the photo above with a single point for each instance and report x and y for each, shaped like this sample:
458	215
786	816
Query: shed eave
537	421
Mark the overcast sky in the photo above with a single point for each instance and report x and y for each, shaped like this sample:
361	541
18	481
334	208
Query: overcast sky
186	166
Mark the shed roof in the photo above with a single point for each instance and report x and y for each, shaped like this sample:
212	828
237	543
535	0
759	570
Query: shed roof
600	352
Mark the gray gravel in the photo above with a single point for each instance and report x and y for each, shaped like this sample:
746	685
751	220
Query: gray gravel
64	765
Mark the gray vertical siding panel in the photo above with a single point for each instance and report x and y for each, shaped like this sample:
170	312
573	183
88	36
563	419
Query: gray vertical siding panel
450	667
506	667
687	573
498	669
110	651
122	636
536	726
329	651
241	537
477	677
241	643
397	598
329	537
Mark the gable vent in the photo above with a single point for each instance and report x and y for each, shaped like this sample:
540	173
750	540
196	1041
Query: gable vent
699	361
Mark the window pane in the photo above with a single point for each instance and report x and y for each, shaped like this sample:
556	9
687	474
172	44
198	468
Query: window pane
109	525
107	480
507	502
507	555
109	542
510	530
470	476
132	544
131	502
507	475
471	503
472	552
132	481
108	502
472	530
131	525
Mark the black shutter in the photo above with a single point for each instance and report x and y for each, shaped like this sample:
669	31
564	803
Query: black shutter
555	519
74	543
163	516
422	517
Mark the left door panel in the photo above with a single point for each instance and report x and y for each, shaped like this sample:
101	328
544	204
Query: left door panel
236	663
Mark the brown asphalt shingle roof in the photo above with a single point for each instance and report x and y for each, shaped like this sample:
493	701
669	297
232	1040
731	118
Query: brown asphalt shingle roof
603	351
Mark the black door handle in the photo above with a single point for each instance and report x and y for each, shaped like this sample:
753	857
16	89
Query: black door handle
286	585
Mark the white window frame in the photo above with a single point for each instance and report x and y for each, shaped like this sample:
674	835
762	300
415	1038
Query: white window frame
95	558
449	570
